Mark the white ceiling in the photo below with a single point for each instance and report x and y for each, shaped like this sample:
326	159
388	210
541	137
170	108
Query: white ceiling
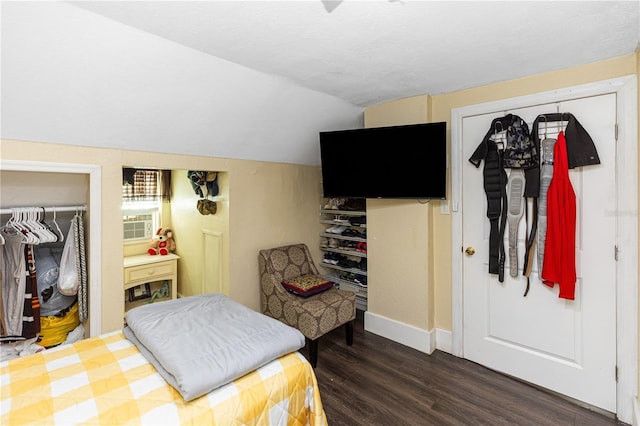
369	52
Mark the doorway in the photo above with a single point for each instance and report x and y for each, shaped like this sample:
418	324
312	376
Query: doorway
507	351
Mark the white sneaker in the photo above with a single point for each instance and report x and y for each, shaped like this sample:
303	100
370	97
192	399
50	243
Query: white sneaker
339	229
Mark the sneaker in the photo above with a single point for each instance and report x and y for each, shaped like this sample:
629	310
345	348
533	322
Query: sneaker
360	280
333	243
331	229
338	229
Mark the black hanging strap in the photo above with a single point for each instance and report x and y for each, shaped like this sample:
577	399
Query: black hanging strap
495	180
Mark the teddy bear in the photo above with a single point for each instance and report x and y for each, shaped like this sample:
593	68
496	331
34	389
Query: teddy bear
162	243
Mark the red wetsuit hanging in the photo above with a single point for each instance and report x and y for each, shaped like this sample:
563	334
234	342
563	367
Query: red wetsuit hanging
560	247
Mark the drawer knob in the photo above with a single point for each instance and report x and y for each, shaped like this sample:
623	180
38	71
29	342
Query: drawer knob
151	271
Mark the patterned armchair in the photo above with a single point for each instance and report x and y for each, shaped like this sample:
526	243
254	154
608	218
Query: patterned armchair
314	315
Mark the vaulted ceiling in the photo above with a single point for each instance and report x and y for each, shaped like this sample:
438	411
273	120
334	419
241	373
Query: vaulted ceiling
369	52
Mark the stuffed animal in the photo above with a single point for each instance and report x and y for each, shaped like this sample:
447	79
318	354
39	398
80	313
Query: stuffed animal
162	243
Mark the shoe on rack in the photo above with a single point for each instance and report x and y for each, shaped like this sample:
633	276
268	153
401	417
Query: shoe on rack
341	220
361	281
339	229
333	243
355	204
331	229
351	233
358	221
324	242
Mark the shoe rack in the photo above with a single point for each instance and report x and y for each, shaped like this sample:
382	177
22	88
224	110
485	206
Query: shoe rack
344	246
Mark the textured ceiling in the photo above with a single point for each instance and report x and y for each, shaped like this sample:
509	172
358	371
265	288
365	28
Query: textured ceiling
368	52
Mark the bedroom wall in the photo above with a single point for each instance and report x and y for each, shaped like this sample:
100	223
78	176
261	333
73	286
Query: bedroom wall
269	204
401	291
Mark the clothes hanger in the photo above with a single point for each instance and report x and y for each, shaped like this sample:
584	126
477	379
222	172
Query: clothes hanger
60	234
52	235
26	224
15	225
48	236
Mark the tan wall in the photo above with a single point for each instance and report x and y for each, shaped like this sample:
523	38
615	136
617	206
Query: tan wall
269	204
398	271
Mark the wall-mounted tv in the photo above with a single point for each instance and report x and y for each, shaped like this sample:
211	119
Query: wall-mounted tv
385	162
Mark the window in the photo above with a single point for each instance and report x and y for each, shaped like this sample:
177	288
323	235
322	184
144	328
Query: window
142	197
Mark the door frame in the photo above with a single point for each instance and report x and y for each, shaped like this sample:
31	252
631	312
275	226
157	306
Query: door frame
95	225
626	208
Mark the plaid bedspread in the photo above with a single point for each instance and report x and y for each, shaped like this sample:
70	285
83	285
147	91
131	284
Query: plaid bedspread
105	380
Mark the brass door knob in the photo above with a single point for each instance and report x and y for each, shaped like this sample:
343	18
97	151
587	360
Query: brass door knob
470	251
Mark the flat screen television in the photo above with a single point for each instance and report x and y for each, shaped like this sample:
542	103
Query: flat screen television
385	162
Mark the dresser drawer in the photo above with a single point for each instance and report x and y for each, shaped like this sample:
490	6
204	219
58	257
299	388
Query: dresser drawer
145	273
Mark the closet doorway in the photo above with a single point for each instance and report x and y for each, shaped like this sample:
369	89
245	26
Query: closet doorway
93	232
587	348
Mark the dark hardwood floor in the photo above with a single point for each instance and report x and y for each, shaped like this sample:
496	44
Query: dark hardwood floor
380	382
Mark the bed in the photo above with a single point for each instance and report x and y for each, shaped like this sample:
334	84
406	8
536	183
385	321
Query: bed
107	380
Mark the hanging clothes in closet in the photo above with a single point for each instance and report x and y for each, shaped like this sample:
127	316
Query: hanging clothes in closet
33	308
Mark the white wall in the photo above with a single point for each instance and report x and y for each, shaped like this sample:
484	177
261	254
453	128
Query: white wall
73	77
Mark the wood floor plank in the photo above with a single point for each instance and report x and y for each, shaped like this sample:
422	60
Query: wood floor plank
380	382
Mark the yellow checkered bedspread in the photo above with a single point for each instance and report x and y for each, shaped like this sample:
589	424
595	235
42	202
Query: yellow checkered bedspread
105	380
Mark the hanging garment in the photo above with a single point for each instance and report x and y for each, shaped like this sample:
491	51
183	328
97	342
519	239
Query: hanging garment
560	247
581	151
3	326
519	152
81	263
495	179
516	206
14	282
31	311
546	174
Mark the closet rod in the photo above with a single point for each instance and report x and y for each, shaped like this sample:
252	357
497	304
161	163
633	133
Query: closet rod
48	209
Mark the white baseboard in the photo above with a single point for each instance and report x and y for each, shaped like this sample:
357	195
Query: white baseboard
408	335
443	340
405	334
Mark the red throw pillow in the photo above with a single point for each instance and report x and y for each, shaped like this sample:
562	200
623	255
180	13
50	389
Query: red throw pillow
307	285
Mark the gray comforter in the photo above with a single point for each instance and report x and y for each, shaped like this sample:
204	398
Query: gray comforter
200	343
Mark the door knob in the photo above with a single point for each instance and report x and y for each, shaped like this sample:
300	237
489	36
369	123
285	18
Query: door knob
470	251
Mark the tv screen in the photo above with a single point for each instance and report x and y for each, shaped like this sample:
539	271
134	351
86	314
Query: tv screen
385	162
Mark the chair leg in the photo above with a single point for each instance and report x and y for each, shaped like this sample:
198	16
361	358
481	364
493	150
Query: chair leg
349	329
313	352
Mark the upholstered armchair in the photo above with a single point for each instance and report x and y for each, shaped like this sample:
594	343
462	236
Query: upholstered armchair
314	315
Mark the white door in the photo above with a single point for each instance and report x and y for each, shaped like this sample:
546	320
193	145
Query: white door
563	345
